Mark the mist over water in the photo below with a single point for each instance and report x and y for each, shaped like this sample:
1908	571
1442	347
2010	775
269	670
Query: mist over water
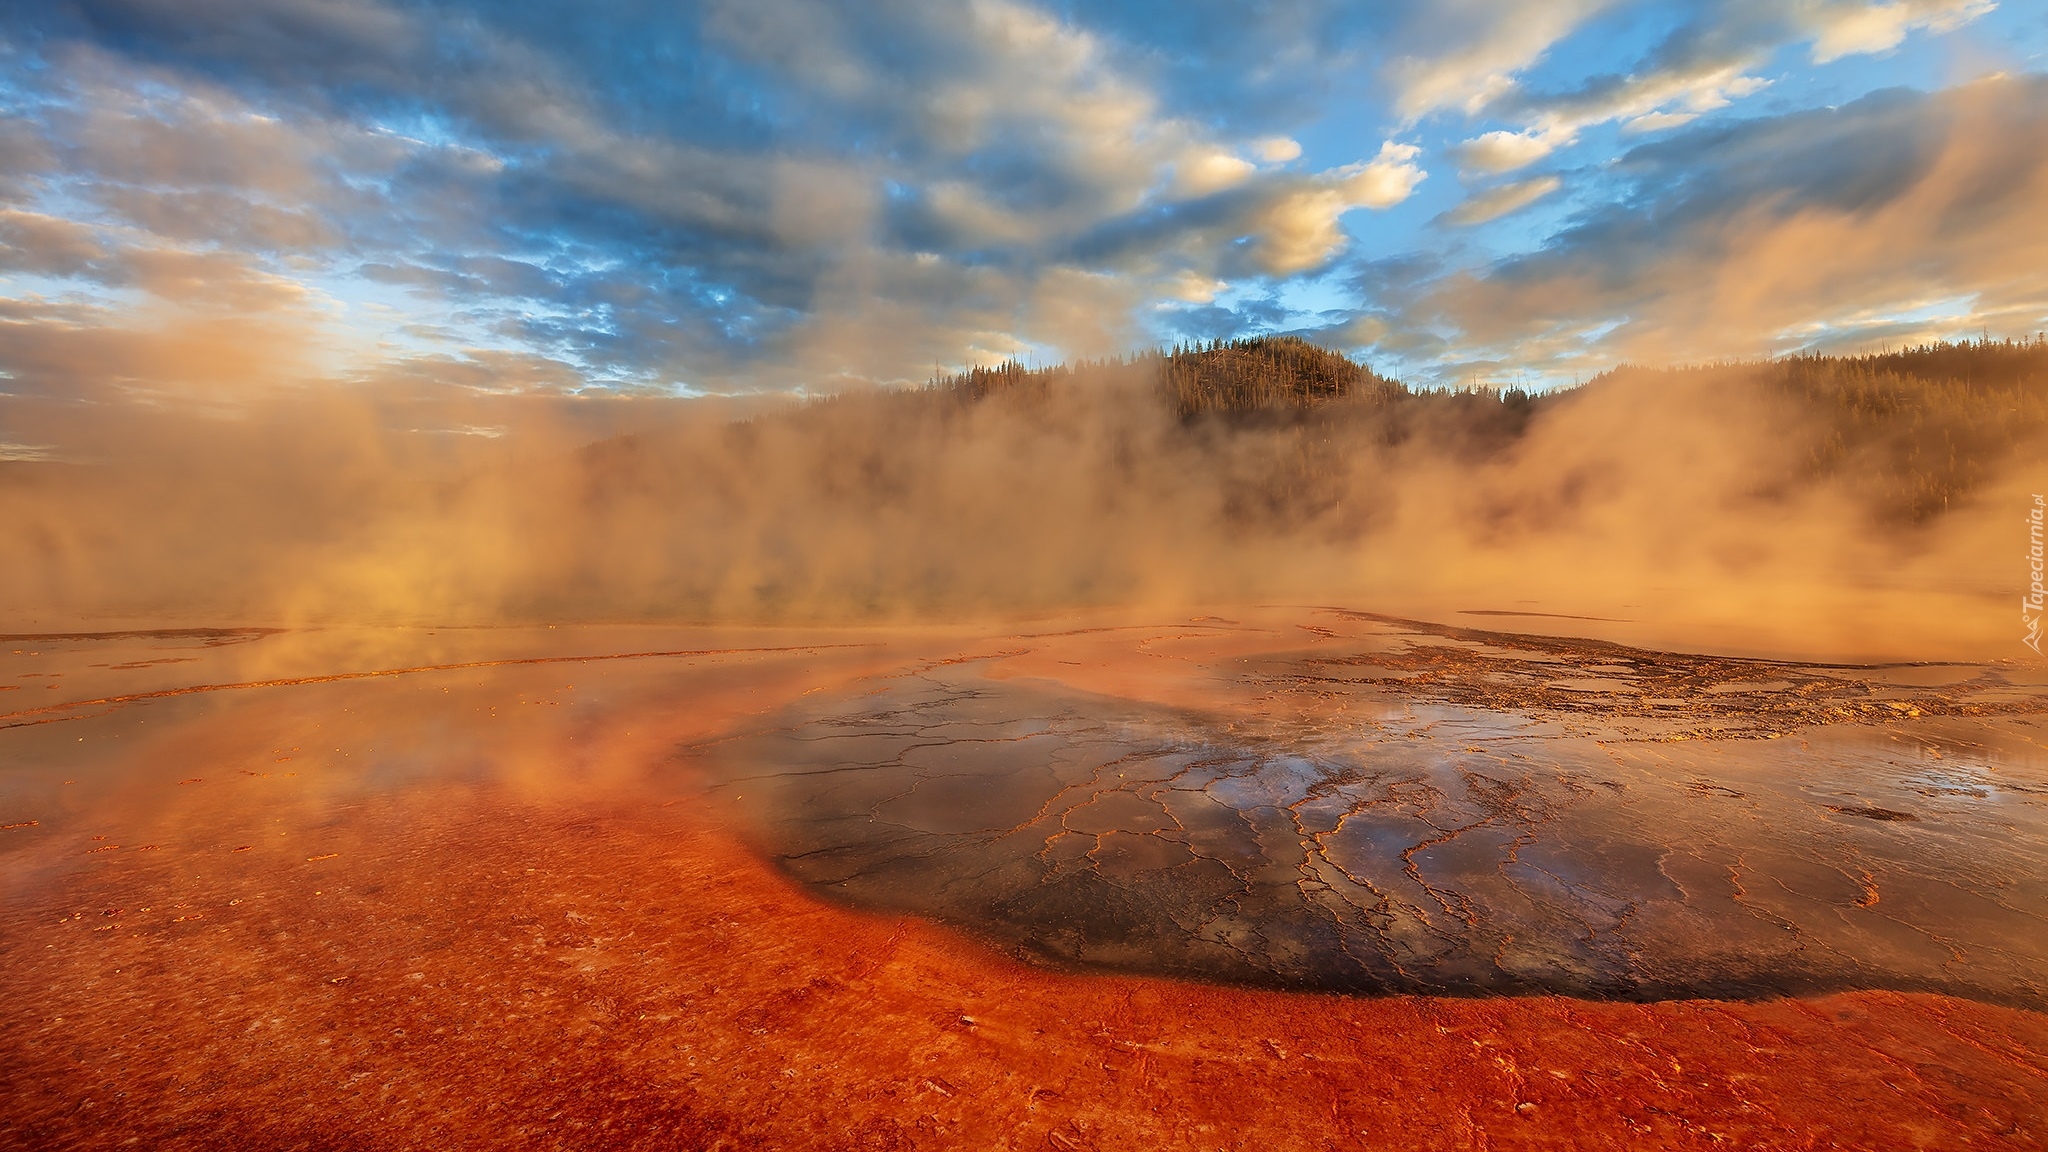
1378	806
1707	507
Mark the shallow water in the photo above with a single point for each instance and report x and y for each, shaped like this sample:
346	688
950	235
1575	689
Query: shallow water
1746	831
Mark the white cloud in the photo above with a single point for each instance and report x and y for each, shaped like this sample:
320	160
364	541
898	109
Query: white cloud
1674	91
1298	230
1658	122
1492	42
1194	288
1504	151
1495	203
1276	149
1864	222
1386	180
1854	29
1858	30
1647	103
1210	170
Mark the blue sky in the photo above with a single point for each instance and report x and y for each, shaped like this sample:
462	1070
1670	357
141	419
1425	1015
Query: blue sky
198	196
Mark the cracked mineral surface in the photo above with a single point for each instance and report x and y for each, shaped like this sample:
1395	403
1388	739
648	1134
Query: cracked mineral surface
1403	807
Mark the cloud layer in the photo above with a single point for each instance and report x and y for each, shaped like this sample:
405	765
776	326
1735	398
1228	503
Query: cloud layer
1888	220
201	199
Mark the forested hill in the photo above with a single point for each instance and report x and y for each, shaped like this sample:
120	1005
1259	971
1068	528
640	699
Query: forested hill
1913	430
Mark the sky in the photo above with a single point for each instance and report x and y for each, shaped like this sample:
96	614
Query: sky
198	197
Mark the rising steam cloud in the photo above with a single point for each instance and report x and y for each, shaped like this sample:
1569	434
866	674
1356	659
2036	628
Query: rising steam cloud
273	352
1711	507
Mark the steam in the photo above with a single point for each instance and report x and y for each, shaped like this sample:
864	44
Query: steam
1682	507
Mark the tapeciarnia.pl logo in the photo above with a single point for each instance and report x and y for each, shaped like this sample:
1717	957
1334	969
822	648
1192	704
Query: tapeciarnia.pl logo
2031	607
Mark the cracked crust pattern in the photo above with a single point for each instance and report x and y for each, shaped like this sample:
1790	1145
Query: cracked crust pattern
1416	808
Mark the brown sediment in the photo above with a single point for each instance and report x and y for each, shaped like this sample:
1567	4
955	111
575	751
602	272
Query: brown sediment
1714	696
211	637
50	713
1538	615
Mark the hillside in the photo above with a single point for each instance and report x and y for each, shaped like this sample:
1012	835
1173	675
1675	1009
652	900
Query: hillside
1913	431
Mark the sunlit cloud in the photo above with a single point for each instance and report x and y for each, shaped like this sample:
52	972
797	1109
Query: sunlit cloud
802	194
1211	172
1854	27
1276	149
1504	151
1479	50
1298	230
1494	203
1832	228
1651	102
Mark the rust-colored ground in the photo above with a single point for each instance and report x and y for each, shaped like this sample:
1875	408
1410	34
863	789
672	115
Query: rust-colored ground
470	973
244	940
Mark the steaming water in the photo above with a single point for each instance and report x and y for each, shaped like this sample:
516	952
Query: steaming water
1384	841
1304	798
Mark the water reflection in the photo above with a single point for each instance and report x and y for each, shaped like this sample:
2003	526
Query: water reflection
1386	842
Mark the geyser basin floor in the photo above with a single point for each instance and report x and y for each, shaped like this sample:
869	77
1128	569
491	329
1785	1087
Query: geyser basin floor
487	904
1400	807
